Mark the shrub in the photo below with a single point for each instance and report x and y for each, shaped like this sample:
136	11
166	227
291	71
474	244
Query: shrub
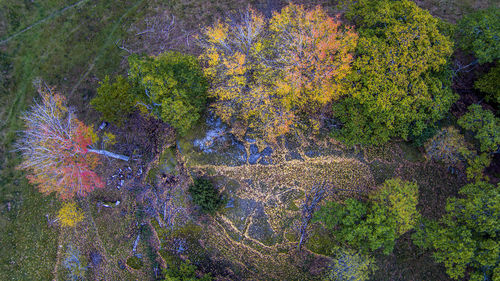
70	215
447	146
186	271
74	264
134	262
205	195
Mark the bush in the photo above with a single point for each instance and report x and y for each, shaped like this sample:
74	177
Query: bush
447	146
174	87
186	271
69	214
205	195
74	263
114	100
350	265
134	262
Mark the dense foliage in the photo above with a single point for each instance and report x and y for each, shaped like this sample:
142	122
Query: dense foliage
114	100
205	195
488	84
467	235
174	87
70	215
274	75
484	125
350	265
55	149
399	84
376	224
186	271
479	33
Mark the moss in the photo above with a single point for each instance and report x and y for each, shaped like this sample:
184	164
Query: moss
292	206
134	262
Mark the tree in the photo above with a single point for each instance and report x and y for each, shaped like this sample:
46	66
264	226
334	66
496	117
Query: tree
488	84
484	125
479	33
447	146
114	100
205	195
56	149
349	265
467	235
174	87
400	84
186	271
75	264
69	214
376	224
265	75
401	199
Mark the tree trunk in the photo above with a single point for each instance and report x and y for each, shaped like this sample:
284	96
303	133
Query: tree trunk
109	154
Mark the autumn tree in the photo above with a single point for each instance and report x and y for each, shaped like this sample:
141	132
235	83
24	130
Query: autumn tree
399	84
350	265
266	74
56	149
465	239
173	87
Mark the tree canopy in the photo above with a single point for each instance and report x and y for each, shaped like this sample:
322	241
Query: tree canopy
399	84
467	235
173	87
484	125
269	75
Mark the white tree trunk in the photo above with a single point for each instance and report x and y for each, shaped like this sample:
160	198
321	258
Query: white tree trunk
109	154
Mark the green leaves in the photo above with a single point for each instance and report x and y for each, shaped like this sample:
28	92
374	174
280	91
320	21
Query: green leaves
377	224
479	33
399	84
467	235
484	125
174	87
114	100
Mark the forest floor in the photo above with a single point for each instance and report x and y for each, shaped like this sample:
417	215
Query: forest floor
72	45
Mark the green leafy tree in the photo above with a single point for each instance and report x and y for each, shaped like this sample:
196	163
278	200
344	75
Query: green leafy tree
186	271
484	125
376	224
400	83
205	195
466	237
174	87
479	33
349	265
114	100
488	84
401	199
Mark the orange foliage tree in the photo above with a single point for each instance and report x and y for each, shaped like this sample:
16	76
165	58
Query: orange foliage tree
56	149
267	75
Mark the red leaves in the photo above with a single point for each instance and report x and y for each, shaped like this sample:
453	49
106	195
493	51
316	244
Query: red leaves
54	148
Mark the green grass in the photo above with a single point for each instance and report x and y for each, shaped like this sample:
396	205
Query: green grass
65	50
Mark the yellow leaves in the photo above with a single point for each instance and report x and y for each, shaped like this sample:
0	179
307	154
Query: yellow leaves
70	215
217	33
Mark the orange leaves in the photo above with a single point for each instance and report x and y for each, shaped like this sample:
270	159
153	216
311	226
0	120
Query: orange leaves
54	148
267	74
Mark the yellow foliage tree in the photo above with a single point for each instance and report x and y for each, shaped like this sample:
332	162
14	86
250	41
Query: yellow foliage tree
267	75
70	215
